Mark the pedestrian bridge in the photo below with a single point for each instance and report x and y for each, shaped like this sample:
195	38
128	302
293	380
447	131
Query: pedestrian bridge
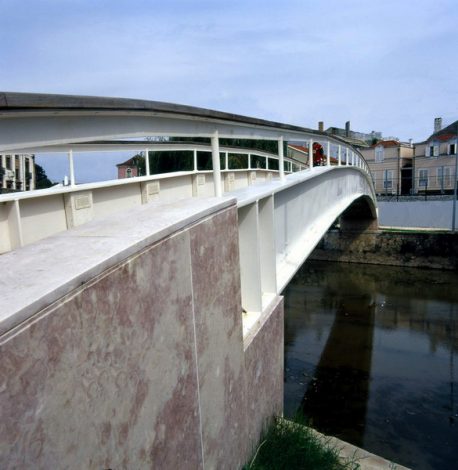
121	311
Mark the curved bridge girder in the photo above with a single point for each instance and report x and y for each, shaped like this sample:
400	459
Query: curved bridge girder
290	219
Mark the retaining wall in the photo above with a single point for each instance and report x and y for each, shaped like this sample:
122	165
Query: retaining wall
417	214
414	249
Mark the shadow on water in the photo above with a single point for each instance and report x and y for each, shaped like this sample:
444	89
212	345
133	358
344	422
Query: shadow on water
370	358
336	401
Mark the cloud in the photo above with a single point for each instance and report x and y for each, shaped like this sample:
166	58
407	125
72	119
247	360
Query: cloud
387	66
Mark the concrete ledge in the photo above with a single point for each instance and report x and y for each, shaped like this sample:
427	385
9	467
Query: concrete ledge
34	277
365	460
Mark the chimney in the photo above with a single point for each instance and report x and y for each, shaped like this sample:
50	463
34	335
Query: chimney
347	129
437	124
410	143
321	126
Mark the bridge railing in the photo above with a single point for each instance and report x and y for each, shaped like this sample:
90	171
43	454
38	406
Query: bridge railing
28	216
56	123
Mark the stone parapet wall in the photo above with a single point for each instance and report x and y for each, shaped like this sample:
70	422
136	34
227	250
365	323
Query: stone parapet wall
437	250
138	361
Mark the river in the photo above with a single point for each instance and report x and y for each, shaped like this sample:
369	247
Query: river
371	358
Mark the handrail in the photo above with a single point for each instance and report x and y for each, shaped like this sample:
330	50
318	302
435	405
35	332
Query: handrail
33	122
156	147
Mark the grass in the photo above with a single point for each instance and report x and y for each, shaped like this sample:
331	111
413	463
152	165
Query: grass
291	445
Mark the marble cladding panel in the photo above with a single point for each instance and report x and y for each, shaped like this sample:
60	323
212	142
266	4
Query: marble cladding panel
264	373
106	377
219	338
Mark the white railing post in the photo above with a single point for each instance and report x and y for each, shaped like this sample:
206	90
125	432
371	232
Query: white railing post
147	162
281	159
311	153
328	154
71	168
195	159
216	165
339	162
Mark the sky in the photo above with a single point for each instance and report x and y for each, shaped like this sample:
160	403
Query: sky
386	66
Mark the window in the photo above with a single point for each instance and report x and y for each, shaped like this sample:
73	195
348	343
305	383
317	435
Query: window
388	179
432	150
423	178
379	154
444	177
452	149
128	173
8	162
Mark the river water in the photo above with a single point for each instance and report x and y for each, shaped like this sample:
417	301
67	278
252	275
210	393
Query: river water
371	358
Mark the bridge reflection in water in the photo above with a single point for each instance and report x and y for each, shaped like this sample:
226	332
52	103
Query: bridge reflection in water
370	357
336	400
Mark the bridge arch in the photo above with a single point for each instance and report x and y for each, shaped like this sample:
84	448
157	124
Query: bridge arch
361	215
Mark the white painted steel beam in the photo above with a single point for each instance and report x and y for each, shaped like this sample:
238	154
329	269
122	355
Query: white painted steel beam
281	159
71	168
311	154
147	162
216	165
250	263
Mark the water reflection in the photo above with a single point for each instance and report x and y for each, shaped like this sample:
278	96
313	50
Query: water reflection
370	357
339	392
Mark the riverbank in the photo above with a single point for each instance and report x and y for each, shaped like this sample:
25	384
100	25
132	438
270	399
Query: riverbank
292	445
391	247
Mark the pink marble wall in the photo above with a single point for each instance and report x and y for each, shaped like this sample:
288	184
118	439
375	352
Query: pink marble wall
106	377
264	372
144	367
217	300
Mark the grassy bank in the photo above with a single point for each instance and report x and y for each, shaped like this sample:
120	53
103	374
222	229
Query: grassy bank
290	445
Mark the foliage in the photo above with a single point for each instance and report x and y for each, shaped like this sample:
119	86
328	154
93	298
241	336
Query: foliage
183	160
41	179
164	162
291	445
270	146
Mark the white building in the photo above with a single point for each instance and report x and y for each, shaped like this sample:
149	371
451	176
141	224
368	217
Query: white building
17	172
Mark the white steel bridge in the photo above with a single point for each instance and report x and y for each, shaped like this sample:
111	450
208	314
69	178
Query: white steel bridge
122	300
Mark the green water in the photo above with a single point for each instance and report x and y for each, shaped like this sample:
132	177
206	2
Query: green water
371	357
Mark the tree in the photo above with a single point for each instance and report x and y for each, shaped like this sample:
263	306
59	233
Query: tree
41	180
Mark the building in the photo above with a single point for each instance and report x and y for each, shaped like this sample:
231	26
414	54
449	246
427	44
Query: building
390	162
17	172
357	139
129	168
435	160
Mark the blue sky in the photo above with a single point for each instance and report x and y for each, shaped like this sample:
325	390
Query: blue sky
388	66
